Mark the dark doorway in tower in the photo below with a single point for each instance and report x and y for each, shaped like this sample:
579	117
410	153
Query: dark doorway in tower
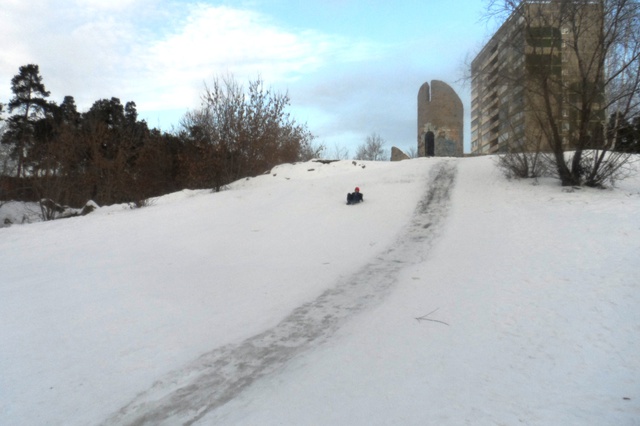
430	144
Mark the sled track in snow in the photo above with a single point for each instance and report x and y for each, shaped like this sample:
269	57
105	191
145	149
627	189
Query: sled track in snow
188	394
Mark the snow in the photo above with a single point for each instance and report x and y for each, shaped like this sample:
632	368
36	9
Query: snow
13	212
450	296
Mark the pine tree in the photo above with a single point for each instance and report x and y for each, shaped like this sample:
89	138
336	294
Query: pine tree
29	101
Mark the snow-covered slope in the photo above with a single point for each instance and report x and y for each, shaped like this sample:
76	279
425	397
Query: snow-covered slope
275	303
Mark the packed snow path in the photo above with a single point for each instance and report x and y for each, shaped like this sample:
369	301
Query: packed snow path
188	394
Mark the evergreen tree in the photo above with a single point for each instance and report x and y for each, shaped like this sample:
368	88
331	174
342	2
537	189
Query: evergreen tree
29	100
67	112
628	133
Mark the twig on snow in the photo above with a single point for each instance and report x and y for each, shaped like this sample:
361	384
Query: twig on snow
424	318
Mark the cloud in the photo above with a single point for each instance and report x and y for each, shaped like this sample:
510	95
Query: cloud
222	40
79	49
156	53
106	5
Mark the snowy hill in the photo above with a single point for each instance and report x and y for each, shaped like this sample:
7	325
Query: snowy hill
450	296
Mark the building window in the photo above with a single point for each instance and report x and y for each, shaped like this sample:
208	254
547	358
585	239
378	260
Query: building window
543	37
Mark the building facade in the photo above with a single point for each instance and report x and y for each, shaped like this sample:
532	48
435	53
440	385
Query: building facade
440	121
528	76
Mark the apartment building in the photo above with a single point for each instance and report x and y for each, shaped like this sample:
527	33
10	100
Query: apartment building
527	81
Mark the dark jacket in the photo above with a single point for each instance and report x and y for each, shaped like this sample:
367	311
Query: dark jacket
354	197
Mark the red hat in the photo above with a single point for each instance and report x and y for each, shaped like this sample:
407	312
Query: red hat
357	189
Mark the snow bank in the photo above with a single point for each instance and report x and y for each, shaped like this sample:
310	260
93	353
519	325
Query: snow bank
528	297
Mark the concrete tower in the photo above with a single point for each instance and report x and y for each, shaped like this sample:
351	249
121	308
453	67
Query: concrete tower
440	121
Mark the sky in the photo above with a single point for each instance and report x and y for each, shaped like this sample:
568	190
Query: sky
450	296
350	67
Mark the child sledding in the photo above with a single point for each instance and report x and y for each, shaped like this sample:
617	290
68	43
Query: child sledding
355	197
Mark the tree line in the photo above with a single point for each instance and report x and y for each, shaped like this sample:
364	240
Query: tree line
108	155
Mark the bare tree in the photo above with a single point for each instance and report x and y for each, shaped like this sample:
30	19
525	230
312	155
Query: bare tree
524	157
601	38
340	152
312	151
372	149
242	133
